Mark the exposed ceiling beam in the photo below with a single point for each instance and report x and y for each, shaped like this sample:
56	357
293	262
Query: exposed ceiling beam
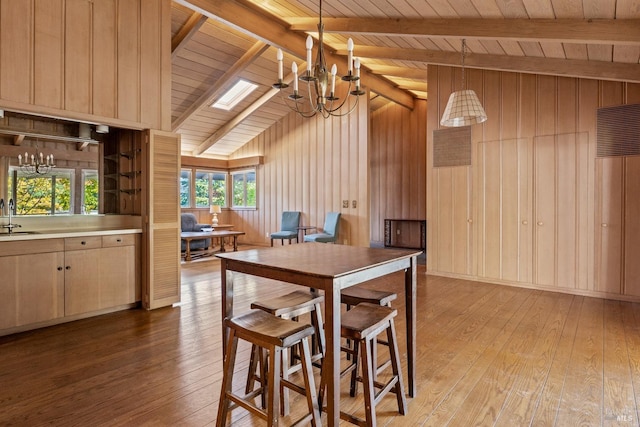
188	30
551	66
590	31
221	84
18	139
272	30
404	72
228	127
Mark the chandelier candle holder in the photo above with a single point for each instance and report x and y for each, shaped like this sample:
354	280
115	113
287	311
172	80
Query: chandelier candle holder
36	164
321	81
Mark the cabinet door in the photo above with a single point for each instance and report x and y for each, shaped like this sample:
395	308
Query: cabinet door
117	276
31	289
82	281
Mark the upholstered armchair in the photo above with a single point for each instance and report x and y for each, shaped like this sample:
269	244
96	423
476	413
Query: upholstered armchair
288	228
189	222
329	231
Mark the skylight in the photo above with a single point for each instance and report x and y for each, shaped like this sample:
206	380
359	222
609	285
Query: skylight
237	93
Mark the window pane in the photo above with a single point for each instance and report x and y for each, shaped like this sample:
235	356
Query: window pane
185	188
219	188
244	189
90	192
202	189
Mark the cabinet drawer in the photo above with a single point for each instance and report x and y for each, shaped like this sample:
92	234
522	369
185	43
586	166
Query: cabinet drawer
118	240
80	243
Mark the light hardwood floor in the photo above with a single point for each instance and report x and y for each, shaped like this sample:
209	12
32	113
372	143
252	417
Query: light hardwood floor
488	355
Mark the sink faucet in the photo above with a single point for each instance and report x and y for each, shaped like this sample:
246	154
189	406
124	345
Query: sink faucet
10	226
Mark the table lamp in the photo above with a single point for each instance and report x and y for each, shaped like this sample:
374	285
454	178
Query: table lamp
215	210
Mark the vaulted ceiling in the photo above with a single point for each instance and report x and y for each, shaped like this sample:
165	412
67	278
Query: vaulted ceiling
217	42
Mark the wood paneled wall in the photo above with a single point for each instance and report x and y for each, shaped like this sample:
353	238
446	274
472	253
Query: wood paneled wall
312	166
532	209
106	61
397	150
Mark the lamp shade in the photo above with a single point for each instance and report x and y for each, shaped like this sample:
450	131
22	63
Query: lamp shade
215	209
463	109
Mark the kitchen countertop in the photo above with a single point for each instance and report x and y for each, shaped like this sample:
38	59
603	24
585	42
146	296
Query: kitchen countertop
60	234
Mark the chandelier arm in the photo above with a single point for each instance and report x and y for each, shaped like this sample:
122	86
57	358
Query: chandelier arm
293	106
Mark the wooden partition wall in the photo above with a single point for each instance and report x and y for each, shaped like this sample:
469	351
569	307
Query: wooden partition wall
536	207
106	61
313	166
397	150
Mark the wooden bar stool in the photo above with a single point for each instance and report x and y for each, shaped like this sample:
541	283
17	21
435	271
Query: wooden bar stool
355	295
289	306
276	335
362	324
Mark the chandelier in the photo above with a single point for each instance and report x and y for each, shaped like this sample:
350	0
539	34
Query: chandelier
463	108
321	82
36	164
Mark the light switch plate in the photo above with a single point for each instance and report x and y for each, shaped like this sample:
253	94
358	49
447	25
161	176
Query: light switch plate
354	204
345	203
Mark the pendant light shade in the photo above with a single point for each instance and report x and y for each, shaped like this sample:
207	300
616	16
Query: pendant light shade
463	109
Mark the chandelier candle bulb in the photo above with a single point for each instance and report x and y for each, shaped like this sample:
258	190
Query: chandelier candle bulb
19	159
334	71
280	58
309	59
350	55
294	70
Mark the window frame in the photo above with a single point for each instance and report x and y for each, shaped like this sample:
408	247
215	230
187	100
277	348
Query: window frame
244	172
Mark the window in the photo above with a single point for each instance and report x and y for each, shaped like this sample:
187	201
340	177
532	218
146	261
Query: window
211	188
185	188
42	194
90	191
233	96
244	188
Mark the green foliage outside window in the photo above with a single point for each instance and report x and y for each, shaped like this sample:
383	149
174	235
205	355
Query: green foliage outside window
185	188
42	194
91	197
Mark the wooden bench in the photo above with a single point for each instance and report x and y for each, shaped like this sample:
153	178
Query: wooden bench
188	236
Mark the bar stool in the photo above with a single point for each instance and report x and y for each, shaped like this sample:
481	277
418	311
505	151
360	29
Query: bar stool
362	324
289	306
276	335
355	295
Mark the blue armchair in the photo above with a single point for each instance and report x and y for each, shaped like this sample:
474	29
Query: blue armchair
329	231
189	222
288	228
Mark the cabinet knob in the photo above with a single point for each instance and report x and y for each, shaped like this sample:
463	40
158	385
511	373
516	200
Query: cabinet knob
83	243
470	221
605	225
119	240
540	223
68	267
59	268
525	222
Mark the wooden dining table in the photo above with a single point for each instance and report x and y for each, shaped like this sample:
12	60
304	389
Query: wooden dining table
328	268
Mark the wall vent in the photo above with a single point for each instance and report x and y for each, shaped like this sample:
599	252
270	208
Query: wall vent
452	147
618	131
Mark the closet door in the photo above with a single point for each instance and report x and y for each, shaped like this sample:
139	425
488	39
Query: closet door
632	226
545	208
608	224
505	210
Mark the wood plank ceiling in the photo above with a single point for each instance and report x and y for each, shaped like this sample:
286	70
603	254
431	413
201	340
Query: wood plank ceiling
217	42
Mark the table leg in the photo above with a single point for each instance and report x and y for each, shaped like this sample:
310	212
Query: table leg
187	256
227	300
331	362
410	279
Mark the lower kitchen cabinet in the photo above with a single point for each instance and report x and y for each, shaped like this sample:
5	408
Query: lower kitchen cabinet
46	280
32	287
